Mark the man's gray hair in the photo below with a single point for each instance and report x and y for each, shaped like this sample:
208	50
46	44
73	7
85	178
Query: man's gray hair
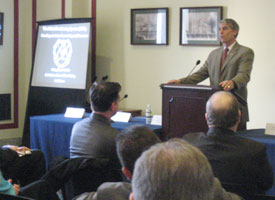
222	110
232	24
174	170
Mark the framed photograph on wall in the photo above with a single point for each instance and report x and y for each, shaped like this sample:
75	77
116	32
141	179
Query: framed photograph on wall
149	26
1	27
200	26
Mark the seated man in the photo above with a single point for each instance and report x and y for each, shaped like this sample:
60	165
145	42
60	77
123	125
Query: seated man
21	164
235	160
129	144
175	170
94	137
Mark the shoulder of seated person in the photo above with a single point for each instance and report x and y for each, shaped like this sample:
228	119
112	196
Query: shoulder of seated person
192	135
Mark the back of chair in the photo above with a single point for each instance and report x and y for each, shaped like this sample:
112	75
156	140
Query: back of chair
89	178
246	193
260	197
12	197
90	175
78	175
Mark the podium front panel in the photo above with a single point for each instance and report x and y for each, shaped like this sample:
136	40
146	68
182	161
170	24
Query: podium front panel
183	109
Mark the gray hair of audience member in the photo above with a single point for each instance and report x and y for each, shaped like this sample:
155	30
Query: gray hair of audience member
103	94
173	170
131	142
222	110
232	24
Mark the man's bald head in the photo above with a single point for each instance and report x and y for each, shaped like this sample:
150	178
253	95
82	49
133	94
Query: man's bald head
222	110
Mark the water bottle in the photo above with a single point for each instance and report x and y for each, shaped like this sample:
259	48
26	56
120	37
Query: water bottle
148	114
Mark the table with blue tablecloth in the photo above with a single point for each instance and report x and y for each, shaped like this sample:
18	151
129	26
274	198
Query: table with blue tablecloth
51	133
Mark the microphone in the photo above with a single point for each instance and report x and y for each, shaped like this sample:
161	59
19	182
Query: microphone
104	78
94	79
124	97
197	63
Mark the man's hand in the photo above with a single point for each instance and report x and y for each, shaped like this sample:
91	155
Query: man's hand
227	85
23	148
21	151
15	186
174	81
12	147
16	148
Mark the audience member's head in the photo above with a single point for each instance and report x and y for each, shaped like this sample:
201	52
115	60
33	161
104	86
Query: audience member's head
222	110
130	144
105	97
173	170
232	24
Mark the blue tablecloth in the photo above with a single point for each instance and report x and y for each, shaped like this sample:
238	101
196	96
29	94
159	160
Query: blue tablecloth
51	133
269	140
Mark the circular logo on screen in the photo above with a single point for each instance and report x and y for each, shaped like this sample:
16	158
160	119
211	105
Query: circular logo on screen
62	53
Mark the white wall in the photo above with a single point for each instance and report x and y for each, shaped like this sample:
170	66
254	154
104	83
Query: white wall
6	64
141	69
6	60
24	58
47	10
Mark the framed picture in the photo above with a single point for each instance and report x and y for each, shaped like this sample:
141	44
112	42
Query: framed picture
200	26
149	26
1	27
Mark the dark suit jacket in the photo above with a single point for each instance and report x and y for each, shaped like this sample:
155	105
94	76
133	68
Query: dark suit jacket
107	191
235	160
7	156
25	169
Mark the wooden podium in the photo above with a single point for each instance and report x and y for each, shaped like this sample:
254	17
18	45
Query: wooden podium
183	109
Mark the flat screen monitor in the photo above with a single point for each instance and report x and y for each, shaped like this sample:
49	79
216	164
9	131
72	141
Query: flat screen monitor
61	55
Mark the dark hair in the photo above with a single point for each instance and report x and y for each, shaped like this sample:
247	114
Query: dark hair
103	94
223	116
131	142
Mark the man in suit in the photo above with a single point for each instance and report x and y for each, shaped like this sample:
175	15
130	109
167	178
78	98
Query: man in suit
21	164
175	170
94	137
229	66
130	143
240	164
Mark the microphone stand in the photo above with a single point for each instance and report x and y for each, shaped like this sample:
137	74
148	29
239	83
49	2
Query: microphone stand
197	63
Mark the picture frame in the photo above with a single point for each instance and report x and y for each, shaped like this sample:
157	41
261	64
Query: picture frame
149	26
199	26
1	27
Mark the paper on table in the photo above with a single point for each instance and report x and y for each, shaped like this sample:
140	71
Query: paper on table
121	117
74	112
270	129
156	120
